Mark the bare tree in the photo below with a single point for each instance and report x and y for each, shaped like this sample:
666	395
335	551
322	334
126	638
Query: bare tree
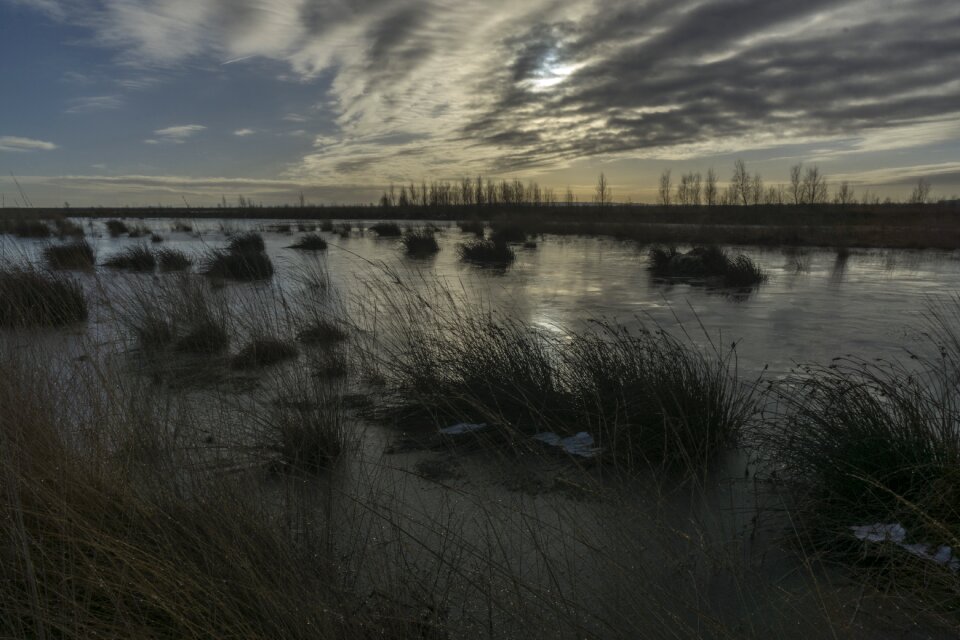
710	190
844	195
814	186
569	198
604	194
756	189
796	183
741	183
665	187
695	182
921	192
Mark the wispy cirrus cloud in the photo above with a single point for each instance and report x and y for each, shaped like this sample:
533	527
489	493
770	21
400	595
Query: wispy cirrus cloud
177	134
242	133
92	104
20	144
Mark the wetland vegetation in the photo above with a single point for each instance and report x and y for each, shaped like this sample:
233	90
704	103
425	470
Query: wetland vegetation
225	448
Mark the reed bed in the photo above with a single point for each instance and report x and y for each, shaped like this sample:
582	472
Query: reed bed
33	297
77	255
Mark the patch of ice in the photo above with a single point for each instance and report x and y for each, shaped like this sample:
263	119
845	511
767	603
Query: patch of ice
462	428
580	445
896	534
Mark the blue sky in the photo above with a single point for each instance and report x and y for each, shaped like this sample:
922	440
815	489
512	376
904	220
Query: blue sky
155	101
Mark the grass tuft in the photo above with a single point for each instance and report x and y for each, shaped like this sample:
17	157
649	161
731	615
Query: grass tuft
476	227
486	252
173	260
116	228
243	259
708	263
30	297
77	255
135	258
387	229
310	242
420	244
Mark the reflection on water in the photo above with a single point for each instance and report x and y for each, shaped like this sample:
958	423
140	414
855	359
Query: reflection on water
816	304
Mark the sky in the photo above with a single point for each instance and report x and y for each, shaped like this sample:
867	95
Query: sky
143	102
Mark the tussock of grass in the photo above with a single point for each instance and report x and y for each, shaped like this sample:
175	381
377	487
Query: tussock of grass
31	229
263	351
476	227
75	255
486	252
387	229
173	260
326	225
116	227
182	226
30	297
705	263
156	238
421	243
67	228
308	434
310	242
243	259
139	231
135	258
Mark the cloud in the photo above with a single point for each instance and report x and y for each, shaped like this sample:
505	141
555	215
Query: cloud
421	86
91	104
175	135
18	144
244	132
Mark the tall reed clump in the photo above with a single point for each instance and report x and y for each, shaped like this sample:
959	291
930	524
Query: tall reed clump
868	442
77	255
310	242
507	233
420	243
31	297
655	399
244	258
67	228
708	263
135	258
263	351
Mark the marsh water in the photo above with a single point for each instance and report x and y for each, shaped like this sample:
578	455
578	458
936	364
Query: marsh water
814	306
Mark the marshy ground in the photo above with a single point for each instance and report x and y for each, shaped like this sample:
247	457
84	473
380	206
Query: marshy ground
246	439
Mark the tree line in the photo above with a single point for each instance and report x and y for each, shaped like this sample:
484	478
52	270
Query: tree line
808	185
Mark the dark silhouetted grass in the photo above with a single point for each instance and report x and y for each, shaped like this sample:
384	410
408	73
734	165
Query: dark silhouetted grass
67	228
249	242
322	331
77	255
30	297
30	229
156	238
243	259
134	258
508	233
310	242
